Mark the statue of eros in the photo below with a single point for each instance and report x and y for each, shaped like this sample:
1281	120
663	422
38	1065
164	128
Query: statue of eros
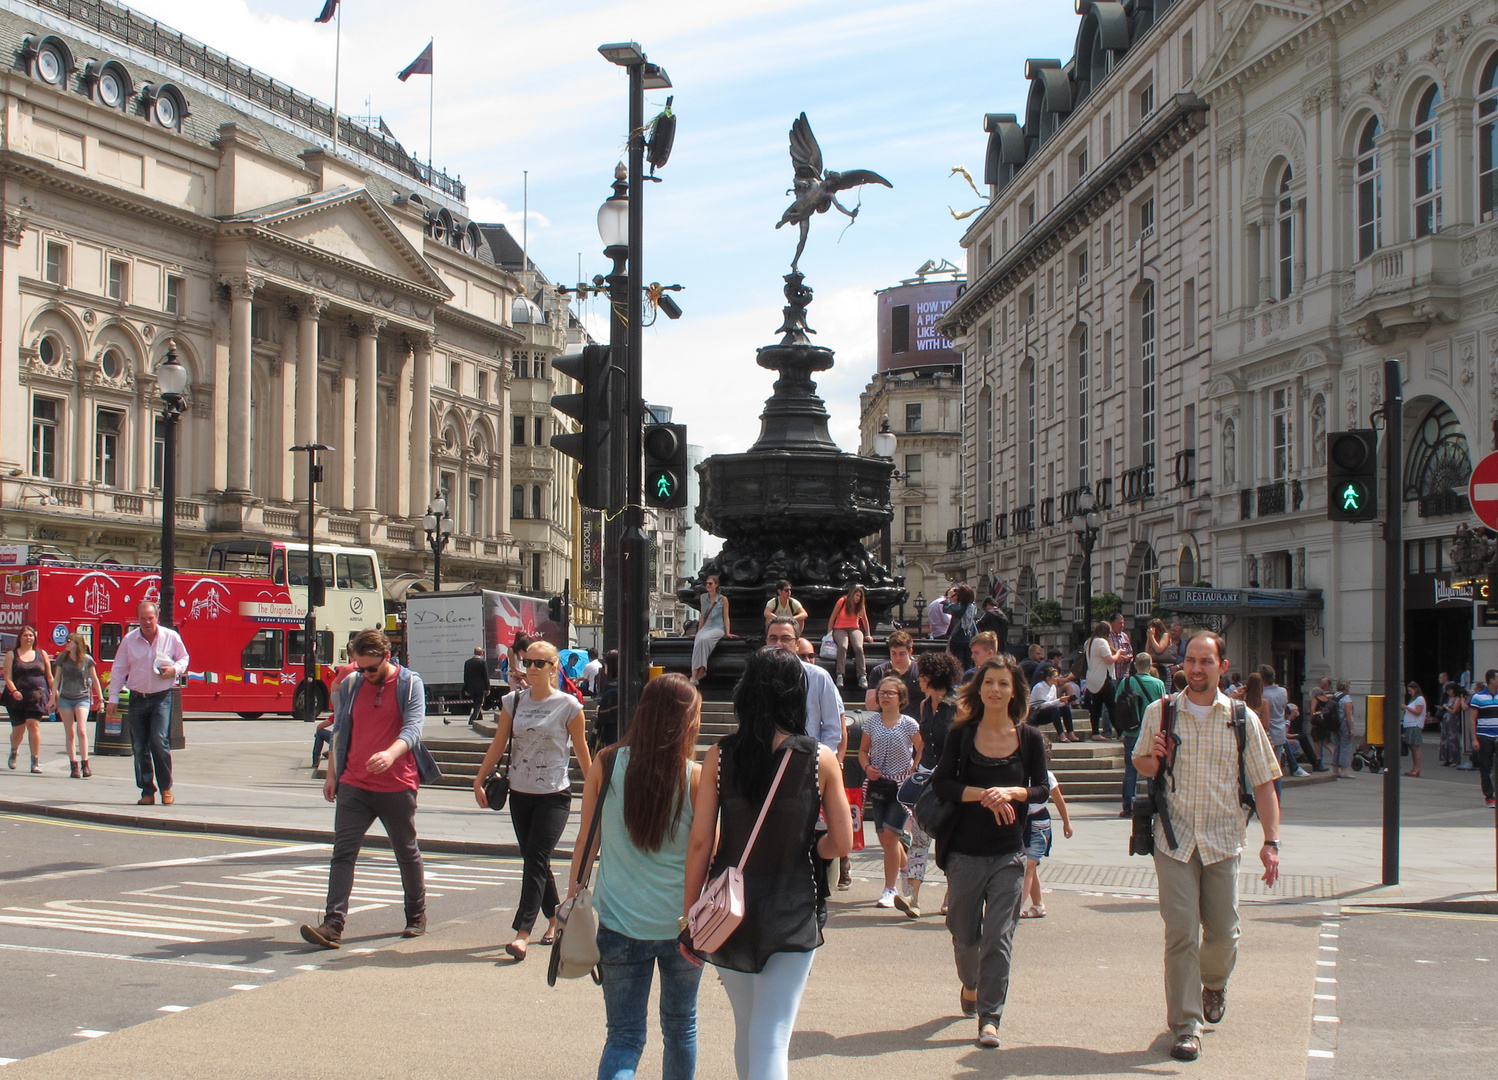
815	190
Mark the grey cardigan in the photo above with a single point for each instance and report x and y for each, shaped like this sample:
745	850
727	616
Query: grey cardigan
412	693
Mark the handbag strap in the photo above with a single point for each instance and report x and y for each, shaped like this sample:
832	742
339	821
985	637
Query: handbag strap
603	791
764	809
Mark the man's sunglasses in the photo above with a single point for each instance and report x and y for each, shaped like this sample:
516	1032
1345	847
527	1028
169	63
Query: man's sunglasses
371	669
536	663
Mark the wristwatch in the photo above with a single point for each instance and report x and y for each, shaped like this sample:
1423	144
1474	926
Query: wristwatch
1272	843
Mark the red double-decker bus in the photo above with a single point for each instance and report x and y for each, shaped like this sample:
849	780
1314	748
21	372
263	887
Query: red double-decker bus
244	635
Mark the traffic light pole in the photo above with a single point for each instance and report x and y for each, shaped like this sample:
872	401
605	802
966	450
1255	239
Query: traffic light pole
1393	609
613	521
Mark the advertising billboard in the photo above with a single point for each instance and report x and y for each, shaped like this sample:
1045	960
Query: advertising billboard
907	326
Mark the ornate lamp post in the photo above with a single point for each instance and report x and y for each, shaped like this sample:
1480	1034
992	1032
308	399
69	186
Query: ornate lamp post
1087	534
306	701
171	384
884	447
900	584
438	524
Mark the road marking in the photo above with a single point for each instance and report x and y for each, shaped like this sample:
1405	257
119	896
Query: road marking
1327	1019
91	871
1324	997
138	959
1326	963
308	967
1320	1054
88	1033
173	1008
1324	979
245	986
7	1061
1328	948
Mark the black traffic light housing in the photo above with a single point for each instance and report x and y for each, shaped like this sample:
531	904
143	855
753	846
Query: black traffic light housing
593	408
1352	475
554	609
666	465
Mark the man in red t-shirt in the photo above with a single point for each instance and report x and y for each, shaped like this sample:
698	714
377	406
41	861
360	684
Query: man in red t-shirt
372	774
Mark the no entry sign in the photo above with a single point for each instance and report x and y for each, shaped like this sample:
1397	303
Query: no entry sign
1482	489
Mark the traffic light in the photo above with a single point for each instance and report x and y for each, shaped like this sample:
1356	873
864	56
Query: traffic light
1352	475
554	609
666	465
594	410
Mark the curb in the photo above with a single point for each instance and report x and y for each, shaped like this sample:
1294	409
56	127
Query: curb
262	832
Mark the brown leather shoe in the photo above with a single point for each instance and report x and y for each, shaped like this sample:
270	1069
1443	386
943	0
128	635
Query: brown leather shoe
1214	1004
166	798
416	925
1186	1048
146	800
325	936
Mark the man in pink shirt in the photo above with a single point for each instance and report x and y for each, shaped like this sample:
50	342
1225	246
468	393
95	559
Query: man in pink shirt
150	661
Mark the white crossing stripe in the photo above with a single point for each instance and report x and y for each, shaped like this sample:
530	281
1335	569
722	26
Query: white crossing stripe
1327	1019
173	1008
138	959
1320	1054
89	1033
245	986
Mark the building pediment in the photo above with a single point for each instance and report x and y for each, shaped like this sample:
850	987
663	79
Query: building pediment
1258	32
350	229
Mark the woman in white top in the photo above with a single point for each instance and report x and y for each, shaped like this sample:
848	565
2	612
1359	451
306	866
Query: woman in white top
1414	726
1100	684
542	720
1049	706
891	746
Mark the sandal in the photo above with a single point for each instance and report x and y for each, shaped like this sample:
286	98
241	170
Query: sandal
548	939
515	950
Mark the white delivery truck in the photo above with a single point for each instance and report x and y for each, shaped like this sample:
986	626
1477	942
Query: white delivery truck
443	629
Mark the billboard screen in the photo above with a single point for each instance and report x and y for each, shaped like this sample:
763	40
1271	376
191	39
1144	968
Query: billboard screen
907	326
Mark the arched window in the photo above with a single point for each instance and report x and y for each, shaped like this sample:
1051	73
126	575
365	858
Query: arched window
536	502
1147	584
1187	567
1487	140
517	502
1439	464
1284	234
1428	164
1370	192
1084	415
1148	377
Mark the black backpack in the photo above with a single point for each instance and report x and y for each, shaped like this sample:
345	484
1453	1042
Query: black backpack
1128	706
1326	721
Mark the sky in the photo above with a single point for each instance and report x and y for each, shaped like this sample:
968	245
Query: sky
519	88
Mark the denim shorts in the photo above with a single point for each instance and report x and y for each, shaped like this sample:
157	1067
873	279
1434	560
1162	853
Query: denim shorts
1040	840
886	814
67	704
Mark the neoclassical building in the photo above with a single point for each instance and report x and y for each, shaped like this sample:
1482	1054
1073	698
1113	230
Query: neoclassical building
1085	325
1356	171
157	194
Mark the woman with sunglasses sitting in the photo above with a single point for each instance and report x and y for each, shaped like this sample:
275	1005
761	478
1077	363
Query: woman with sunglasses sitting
542	719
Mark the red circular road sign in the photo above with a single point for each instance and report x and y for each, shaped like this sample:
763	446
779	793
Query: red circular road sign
1482	490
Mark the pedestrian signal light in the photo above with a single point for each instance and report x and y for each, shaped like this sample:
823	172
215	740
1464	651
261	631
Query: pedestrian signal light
666	465
1352	475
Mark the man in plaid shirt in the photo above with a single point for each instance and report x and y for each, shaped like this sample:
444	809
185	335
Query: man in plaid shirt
1198	879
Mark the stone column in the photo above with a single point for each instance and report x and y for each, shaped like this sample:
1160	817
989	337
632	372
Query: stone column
366	413
421	422
309	311
1266	257
283	466
395	502
15	440
241	293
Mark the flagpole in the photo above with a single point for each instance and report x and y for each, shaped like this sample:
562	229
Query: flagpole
431	98
337	61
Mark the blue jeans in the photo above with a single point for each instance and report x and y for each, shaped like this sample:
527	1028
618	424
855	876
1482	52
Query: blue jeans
149	722
627	965
1131	774
764	1013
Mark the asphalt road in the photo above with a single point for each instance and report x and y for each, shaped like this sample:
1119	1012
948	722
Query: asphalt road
102	928
1415	996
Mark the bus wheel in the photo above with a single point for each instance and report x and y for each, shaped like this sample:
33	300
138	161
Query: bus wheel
310	699
250	715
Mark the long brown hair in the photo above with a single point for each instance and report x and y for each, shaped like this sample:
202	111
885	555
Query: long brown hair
1253	691
848	608
662	739
970	696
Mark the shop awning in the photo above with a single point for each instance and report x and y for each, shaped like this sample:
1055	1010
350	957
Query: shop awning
1195	600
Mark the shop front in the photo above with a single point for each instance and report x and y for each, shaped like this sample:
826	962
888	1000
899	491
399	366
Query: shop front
1438	606
1263	626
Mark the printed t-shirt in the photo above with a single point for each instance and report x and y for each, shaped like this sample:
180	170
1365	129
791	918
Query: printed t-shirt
1486	704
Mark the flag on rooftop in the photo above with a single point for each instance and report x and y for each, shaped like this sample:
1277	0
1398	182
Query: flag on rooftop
329	9
422	65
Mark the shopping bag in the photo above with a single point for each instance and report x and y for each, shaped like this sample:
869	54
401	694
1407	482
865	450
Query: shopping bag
855	803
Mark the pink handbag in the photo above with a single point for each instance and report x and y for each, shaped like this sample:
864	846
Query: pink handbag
719	910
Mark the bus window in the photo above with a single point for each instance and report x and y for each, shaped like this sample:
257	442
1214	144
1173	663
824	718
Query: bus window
296	646
296	566
110	636
264	652
278	568
251	557
356	572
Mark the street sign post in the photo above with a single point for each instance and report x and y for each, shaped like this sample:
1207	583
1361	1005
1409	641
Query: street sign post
1482	490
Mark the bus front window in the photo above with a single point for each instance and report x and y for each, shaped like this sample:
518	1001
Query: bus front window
296	566
356	572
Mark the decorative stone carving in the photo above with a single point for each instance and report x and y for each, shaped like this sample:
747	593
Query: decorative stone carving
1350	398
89	318
242	286
1227	146
14	228
273	367
1480	245
1253	571
1298	569
1229	453
1386	74
1466	365
1282	135
367	325
1318	431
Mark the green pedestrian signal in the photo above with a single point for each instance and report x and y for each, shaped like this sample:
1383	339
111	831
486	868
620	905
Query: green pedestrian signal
664	486
665	448
1352	498
1352	475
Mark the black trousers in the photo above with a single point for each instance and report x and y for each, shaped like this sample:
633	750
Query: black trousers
1054	714
356	811
539	821
1487	764
1100	707
478	706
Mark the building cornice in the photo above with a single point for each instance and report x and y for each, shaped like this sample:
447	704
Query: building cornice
1180	119
27	168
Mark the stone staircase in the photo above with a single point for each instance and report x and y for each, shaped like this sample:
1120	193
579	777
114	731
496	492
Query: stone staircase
1089	771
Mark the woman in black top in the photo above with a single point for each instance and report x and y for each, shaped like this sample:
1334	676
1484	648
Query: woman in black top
939	676
765	962
992	765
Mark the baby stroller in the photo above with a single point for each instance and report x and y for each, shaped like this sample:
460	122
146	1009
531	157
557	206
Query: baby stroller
1369	756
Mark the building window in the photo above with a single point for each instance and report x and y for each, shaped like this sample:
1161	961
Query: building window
536	571
1284	238
913	468
1028	212
1188	314
56	269
1107	243
521	367
1107	132
109	425
899	329
44	437
1084	406
475	506
913	525
1147	376
1370	192
517	501
119	280
1487	140
1281	433
1144	100
539	426
913	416
986	459
174	286
445	483
1146	214
517	431
483	386
1079	164
158	452
454	375
1428	164
1032	402
1027	306
259	331
1188	59
536	502
1188	180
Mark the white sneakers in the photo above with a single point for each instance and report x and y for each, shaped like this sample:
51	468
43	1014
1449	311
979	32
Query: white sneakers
886	898
1300	772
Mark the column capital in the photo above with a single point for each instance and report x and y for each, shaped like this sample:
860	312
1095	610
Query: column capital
310	306
422	340
15	228
367	325
241	286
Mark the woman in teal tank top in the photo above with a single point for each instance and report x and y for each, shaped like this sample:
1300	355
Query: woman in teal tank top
642	847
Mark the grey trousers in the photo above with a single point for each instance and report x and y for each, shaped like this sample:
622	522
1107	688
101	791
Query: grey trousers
982	912
355	811
1199	904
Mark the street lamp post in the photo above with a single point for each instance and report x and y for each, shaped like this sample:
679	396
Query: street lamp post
171	383
634	546
900	584
613	230
1087	534
305	699
438	524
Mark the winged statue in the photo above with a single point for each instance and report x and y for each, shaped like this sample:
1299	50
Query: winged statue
816	190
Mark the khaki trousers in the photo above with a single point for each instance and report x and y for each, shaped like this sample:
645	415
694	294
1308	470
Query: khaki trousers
1199	904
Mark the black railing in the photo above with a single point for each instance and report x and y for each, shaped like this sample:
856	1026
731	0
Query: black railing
1186	468
1022	521
1271	499
956	539
1069	501
1048	511
1103	496
980	533
1297	495
1139	483
1245	504
1444	503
